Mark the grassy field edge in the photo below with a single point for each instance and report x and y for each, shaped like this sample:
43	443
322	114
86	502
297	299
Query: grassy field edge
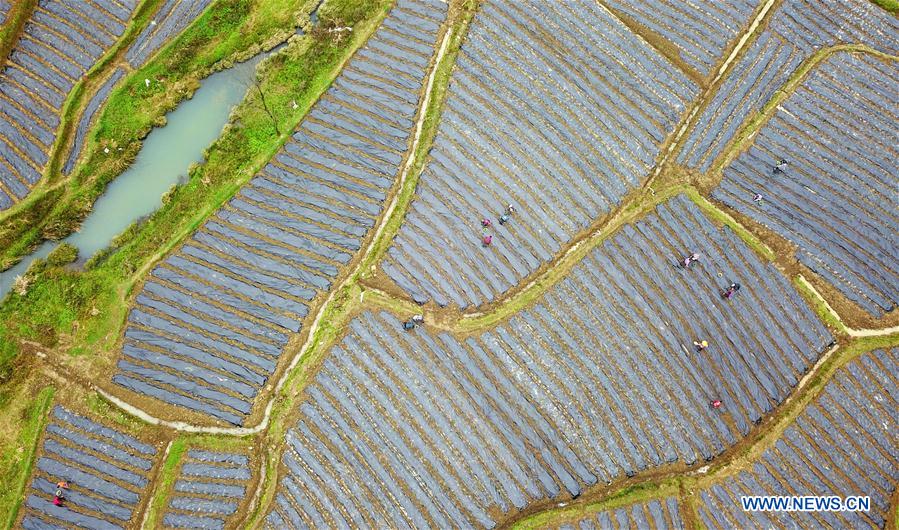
28	439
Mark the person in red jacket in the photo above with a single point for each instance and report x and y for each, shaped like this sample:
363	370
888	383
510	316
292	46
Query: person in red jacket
58	497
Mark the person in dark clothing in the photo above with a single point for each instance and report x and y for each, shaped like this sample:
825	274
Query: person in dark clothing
730	291
407	325
780	166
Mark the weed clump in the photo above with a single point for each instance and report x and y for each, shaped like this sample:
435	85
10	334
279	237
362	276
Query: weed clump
64	254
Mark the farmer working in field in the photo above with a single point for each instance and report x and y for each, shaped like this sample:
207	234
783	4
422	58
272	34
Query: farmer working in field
730	291
690	259
58	496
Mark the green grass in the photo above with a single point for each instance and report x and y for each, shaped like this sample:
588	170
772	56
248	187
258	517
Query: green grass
890	5
719	215
17	460
818	304
163	484
18	14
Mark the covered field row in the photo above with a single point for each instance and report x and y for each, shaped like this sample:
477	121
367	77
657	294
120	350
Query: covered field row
210	487
106	470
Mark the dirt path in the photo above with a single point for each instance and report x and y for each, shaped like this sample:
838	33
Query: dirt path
846	329
713	86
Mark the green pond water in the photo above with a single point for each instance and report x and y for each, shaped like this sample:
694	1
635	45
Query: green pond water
164	159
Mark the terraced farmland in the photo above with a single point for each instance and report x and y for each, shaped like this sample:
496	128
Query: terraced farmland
797	29
61	41
620	375
107	471
658	514
597	381
550	109
209	325
171	19
700	31
836	198
209	489
844	443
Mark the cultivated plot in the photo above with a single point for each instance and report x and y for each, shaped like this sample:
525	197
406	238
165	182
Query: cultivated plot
796	30
599	380
208	327
701	31
657	514
4	10
844	443
556	108
210	487
171	19
60	42
836	198
107	472
84	122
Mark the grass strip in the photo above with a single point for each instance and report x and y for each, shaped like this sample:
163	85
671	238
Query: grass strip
642	492
163	484
890	5
724	218
640	206
820	306
18	460
18	14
